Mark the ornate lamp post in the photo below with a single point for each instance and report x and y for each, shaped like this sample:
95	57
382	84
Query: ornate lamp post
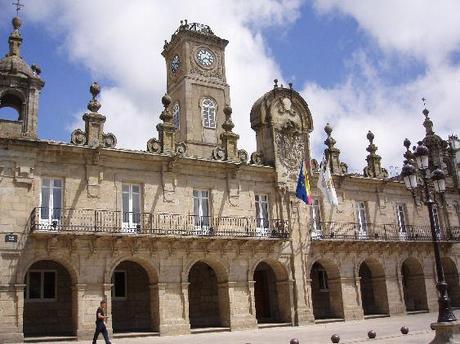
447	325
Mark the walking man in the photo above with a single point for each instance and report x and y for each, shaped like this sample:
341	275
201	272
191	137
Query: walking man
100	323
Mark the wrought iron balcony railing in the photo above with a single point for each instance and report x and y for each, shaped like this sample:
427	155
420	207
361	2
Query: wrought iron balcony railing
384	232
156	224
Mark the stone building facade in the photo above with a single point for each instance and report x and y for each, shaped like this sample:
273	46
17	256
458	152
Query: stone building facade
195	233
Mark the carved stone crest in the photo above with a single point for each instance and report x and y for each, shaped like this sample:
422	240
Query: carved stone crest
154	146
78	137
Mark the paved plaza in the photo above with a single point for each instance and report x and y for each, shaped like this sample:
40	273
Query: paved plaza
387	329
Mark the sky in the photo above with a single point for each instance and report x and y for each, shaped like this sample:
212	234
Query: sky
360	65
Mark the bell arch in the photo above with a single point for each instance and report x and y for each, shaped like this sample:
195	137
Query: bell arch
208	297
374	298
49	300
413	281
326	290
272	292
134	298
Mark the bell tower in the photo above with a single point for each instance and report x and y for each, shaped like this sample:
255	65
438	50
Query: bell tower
20	86
196	83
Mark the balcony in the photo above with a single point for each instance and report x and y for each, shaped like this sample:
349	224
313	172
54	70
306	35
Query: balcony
349	231
110	222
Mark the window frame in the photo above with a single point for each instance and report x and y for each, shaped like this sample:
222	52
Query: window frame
42	286
51	216
401	210
113	291
363	226
316	217
131	225
208	118
262	229
201	220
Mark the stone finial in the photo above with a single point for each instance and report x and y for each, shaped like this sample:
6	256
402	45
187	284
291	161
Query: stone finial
229	139
166	142
427	123
408	155
374	168
333	154
94	104
15	39
228	124
275	83
94	135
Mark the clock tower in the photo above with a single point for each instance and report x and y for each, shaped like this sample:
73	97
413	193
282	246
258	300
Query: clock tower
196	83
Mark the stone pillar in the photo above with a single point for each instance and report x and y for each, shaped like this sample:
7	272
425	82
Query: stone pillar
352	309
431	293
308	315
108	299
395	295
241	304
173	308
154	307
285	290
225	296
11	313
83	330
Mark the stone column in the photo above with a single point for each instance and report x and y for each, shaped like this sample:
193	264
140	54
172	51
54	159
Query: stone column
241	305
154	307
308	313
225	296
352	309
285	290
108	299
173	308
83	330
431	293
395	294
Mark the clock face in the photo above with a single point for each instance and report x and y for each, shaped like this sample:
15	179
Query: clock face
175	63
205	57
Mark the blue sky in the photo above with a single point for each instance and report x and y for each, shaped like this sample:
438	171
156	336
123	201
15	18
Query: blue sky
359	65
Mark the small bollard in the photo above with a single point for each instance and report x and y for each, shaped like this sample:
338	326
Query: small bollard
404	330
294	341
335	338
371	334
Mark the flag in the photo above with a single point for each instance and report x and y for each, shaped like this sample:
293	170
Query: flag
303	185
326	184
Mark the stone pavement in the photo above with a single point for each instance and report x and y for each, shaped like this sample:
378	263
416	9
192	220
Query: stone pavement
388	331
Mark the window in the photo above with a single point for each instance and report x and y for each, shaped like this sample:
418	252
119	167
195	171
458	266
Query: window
316	216
262	219
208	113
322	278
51	201
457	210
176	115
41	285
362	217
131	195
401	217
119	281
201	208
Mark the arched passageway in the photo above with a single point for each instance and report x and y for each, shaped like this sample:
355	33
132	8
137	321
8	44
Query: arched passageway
373	289
48	300
132	306
271	294
453	287
326	291
208	302
414	288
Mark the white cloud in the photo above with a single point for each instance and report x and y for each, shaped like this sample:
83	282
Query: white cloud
121	41
423	30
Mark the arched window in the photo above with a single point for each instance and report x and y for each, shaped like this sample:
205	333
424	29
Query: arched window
10	107
176	115
208	113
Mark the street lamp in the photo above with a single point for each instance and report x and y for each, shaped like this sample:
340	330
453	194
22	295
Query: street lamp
438	180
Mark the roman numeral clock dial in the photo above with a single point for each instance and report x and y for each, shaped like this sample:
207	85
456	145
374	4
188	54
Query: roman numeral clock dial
205	57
